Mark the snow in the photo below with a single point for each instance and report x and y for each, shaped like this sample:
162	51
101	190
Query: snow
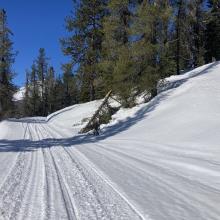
157	161
19	95
74	117
176	80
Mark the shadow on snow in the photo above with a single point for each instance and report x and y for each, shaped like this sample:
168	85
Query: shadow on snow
30	145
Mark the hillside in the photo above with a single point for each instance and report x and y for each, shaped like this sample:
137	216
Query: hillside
157	161
19	95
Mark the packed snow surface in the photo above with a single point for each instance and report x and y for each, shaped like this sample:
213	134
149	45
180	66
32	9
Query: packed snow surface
156	161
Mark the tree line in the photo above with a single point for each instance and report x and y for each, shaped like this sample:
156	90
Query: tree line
126	46
46	93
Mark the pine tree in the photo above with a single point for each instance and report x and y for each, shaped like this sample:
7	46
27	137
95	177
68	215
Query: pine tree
7	88
152	48
196	30
84	46
167	61
35	101
117	64
189	27
32	99
136	47
50	88
182	49
40	84
59	94
42	70
26	101
213	31
70	87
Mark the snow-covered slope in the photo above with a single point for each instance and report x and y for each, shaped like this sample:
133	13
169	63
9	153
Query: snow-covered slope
74	117
158	161
19	95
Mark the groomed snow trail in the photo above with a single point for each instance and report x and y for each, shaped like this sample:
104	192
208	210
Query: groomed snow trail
91	196
48	182
157	161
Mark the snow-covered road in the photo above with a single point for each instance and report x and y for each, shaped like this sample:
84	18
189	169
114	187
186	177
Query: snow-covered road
157	161
48	181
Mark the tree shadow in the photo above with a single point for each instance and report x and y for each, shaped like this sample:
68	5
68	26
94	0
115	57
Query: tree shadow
109	131
37	120
30	145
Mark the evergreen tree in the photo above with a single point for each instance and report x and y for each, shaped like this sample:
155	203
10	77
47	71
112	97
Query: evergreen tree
42	70
26	101
7	88
70	87
196	30
164	58
182	48
152	47
59	94
136	49
35	101
32	99
50	88
189	27
84	45
117	65
40	86
213	31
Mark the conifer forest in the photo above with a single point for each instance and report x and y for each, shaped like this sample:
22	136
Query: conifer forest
126	46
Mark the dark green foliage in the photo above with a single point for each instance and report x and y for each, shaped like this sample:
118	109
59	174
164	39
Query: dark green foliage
58	95
197	32
152	51
32	99
39	84
106	114
126	46
213	31
42	71
26	102
84	45
44	92
136	49
189	33
35	95
7	88
104	117
117	64
181	53
36	92
70	87
51	92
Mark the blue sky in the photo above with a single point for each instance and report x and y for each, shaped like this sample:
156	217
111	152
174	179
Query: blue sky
35	24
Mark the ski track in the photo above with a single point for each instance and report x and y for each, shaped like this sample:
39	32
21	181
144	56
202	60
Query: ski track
93	197
49	182
32	206
165	167
13	189
58	202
